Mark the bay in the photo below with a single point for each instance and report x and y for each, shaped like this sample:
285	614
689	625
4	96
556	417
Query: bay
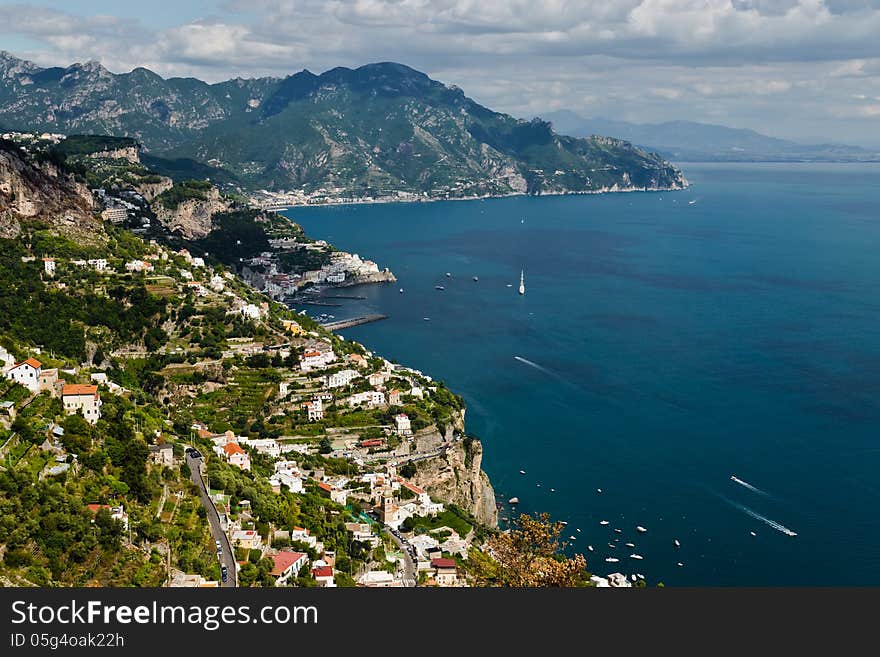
666	342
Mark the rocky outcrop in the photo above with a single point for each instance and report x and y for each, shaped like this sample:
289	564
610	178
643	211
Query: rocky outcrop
455	476
192	218
39	193
384	276
129	153
151	190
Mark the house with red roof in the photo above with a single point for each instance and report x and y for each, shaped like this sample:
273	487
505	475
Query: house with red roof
287	565
26	373
324	576
445	572
82	398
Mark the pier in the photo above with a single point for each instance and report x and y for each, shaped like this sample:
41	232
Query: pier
354	321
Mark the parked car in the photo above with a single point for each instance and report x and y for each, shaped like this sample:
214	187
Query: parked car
224	573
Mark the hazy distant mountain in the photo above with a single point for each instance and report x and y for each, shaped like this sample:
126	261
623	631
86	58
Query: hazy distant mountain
690	141
370	130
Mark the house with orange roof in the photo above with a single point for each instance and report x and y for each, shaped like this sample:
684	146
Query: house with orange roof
82	398
233	454
26	373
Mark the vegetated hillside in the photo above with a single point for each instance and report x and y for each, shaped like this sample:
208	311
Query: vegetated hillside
362	132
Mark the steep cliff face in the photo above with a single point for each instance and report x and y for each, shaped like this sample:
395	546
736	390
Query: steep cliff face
31	192
151	190
192	217
455	476
128	153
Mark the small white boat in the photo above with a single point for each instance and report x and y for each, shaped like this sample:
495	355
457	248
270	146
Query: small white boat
633	577
639	528
618	530
630	544
522	471
636	556
538	485
612	545
578	530
590	548
513	500
603	522
677	544
753	533
522	282
563	523
598	490
640	576
476	279
552	490
680	564
574	538
427	319
448	275
612	560
691	202
401	290
439	287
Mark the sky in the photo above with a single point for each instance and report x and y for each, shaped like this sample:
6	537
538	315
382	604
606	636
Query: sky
807	70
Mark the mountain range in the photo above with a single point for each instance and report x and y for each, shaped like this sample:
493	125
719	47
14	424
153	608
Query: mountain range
684	141
368	131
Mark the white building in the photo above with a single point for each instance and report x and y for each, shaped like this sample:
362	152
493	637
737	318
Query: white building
49	266
234	455
379	579
82	398
251	311
27	373
316	359
293	482
247	539
287	565
403	424
267	446
371	398
343	378
315	410
198	262
162	455
217	283
377	378
98	264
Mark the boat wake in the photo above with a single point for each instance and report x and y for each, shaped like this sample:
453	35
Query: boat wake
749	486
757	516
526	361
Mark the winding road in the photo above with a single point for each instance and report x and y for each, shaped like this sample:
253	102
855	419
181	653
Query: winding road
227	556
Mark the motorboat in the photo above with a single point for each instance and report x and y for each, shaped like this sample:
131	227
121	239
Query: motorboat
513	500
677	544
439	287
603	522
636	556
612	560
639	528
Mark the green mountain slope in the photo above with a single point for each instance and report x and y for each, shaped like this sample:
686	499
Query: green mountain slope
361	132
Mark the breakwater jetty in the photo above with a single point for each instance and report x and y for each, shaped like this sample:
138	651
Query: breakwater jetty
354	321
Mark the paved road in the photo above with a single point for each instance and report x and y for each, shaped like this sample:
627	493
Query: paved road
227	557
409	566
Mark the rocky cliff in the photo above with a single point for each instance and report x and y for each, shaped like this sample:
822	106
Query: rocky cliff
192	218
34	192
455	476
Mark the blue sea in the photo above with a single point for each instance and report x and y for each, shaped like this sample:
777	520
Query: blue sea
666	342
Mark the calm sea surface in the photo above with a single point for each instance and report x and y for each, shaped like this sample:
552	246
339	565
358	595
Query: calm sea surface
666	342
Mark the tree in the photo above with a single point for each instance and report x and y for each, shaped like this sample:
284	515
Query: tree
325	446
528	555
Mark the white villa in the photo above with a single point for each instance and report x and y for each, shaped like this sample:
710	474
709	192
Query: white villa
343	378
26	373
82	398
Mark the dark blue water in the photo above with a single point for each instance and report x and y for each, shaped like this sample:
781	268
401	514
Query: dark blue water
672	345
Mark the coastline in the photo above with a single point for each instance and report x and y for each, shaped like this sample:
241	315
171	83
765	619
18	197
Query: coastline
384	200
